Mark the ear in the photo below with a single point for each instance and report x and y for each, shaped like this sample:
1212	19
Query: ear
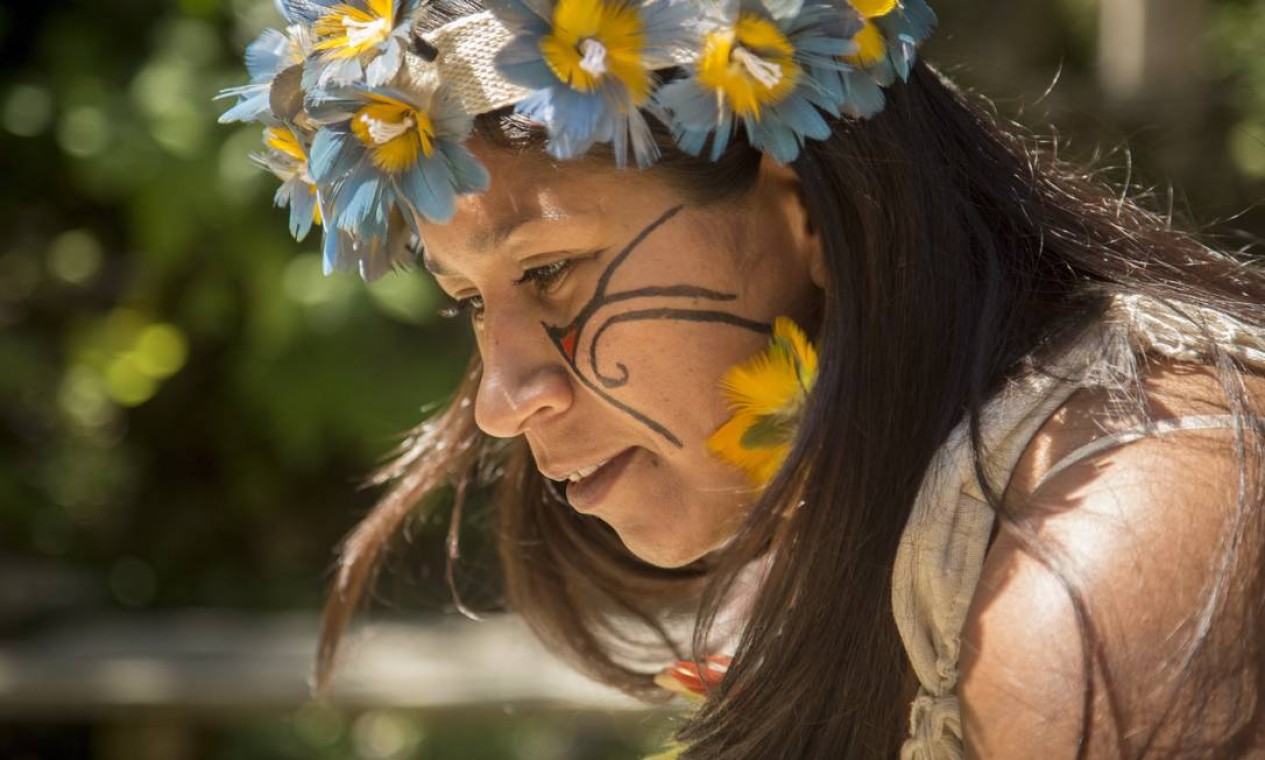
781	185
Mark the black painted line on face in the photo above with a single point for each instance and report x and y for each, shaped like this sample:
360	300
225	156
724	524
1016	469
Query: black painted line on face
567	338
665	313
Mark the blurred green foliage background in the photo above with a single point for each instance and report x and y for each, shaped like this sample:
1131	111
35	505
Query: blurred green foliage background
187	405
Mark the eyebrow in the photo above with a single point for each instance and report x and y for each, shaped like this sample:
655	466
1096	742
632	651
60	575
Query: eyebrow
490	240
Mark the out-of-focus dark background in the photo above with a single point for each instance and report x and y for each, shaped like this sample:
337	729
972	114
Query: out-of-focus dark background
187	406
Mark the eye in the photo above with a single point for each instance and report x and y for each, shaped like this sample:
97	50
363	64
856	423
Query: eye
470	304
542	278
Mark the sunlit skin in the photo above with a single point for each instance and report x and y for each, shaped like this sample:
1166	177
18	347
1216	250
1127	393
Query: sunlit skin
675	501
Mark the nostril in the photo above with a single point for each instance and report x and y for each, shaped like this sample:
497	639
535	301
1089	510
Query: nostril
509	402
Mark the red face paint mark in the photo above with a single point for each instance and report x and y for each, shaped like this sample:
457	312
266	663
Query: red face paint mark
568	344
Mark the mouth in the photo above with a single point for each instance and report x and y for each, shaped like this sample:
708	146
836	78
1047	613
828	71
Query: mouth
587	487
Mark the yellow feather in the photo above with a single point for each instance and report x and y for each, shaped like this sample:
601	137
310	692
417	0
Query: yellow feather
871	47
874	8
284	141
719	71
383	9
759	464
333	37
400	153
616	27
769	391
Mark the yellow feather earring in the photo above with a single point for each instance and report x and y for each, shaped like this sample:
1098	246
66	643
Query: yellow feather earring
767	396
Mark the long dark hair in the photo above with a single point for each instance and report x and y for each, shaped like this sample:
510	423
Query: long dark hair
956	247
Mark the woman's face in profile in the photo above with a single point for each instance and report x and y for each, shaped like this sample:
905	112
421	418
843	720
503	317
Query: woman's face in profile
606	307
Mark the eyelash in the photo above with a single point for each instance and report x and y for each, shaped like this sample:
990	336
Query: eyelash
542	278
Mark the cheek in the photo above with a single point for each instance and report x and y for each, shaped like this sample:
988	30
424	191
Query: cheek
672	369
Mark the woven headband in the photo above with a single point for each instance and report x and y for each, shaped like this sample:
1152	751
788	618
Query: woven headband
366	114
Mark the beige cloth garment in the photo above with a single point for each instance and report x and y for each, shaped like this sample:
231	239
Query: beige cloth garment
942	549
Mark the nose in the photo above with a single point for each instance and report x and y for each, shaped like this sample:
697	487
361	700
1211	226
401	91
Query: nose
524	381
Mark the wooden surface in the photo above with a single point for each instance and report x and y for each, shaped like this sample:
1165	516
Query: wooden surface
230	661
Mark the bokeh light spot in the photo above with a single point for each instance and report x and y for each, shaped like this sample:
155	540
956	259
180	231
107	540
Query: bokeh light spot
237	172
74	257
385	735
84	131
28	110
126	383
318	725
304	282
83	398
327	299
409	297
161	350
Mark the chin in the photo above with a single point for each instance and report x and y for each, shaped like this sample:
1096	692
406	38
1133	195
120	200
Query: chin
661	553
668	561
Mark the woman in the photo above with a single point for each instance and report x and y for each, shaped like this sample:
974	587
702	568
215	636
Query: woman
1010	504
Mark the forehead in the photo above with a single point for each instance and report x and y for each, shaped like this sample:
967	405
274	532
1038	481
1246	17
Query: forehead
531	194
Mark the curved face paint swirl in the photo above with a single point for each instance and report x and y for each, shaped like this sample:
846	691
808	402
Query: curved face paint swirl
591	323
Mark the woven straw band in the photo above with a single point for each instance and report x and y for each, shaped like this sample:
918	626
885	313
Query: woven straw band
467	51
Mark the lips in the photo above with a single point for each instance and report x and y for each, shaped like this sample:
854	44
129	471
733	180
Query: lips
586	493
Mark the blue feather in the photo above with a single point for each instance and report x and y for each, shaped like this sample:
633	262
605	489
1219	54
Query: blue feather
265	55
381	255
688	104
302	208
339	73
779	10
644	147
337	251
252	106
428	187
356	201
384	68
720	139
469	176
882	71
530	18
863	96
917	18
775	138
826	90
303	11
801	117
522	63
518	14
333	154
824	50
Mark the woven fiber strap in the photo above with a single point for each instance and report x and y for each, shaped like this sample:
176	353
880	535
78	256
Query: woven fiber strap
467	49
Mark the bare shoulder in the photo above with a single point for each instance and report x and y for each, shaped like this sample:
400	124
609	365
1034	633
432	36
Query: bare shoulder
1140	531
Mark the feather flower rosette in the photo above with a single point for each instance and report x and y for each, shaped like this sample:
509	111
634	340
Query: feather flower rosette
769	66
887	46
767	395
589	66
354	40
386	157
267	56
286	156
